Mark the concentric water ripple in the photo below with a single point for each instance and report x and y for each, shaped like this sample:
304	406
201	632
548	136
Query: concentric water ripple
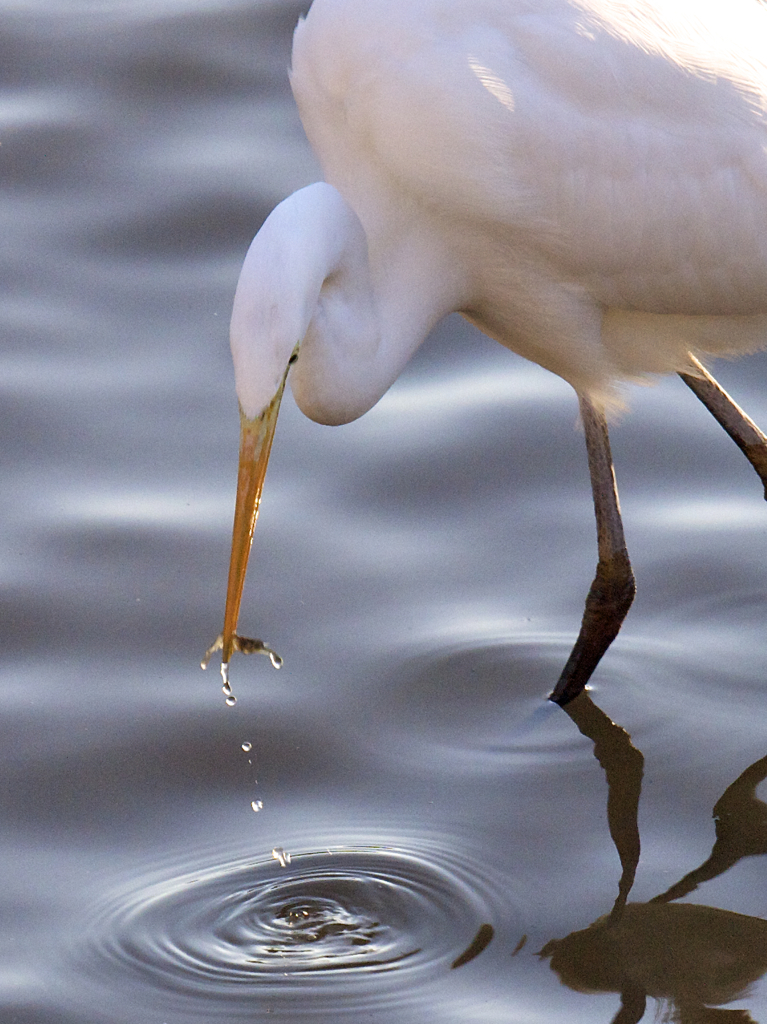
340	917
480	708
476	707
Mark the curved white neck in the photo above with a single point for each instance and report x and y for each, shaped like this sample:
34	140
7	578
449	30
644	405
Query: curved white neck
307	278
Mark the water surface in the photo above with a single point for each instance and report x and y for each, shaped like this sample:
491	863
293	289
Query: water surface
422	572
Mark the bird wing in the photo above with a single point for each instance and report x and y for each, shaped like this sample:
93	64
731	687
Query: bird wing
622	143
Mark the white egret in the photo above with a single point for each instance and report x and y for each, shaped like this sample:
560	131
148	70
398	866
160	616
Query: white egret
584	180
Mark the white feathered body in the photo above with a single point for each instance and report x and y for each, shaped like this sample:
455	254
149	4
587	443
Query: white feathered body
586	180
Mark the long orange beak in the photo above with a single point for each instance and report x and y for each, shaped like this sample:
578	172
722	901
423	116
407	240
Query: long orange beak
255	446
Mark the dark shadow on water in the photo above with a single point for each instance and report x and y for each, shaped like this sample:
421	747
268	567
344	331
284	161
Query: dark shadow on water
694	958
691	956
478	945
741	831
623	765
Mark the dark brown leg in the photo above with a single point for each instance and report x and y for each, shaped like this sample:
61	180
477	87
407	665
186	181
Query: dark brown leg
728	414
613	588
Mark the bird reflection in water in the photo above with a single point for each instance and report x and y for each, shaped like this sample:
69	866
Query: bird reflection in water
741	831
694	958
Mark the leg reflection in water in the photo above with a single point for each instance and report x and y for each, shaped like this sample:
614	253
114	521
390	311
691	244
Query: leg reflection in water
623	765
695	958
741	831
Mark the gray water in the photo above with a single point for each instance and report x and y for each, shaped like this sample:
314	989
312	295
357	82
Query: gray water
421	571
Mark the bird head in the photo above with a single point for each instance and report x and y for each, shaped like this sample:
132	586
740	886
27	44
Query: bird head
304	286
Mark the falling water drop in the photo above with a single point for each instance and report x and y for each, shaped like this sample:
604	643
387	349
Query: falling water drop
247	747
231	700
258	805
281	856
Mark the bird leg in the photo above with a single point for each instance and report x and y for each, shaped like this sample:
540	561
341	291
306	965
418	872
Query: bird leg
728	414
613	589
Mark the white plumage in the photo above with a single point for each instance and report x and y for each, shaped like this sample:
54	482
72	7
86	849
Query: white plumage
538	164
585	180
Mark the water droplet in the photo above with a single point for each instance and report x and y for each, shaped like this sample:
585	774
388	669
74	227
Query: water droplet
231	700
275	659
258	805
247	747
281	856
